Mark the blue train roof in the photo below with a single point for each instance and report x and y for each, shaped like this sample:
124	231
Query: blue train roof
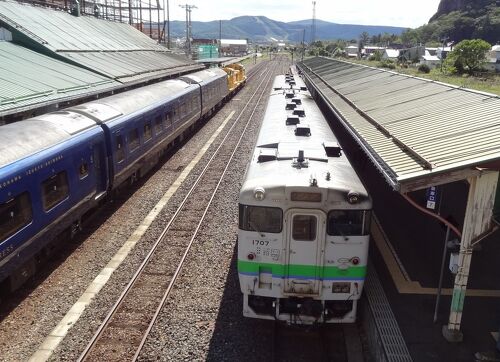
109	108
21	139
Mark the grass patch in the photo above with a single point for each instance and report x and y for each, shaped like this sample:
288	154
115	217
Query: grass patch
489	83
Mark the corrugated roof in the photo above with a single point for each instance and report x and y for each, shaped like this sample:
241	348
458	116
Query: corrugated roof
412	128
113	49
30	80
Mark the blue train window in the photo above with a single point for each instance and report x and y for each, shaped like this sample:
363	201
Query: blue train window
120	151
54	190
15	214
148	132
158	124
133	139
83	170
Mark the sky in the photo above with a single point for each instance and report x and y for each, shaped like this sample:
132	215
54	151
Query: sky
402	13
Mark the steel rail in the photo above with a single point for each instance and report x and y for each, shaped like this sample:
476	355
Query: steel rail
149	256
181	263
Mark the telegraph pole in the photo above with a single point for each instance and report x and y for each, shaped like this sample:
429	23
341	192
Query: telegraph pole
188	26
313	27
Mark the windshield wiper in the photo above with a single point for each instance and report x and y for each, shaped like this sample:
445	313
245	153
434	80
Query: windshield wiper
252	225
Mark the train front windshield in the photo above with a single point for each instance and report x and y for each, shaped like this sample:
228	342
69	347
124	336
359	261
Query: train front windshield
348	222
260	219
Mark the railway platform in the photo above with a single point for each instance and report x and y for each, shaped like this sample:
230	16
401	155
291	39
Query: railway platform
406	250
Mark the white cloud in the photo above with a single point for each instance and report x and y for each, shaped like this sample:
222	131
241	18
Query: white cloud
362	12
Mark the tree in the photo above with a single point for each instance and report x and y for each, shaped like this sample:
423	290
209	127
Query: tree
468	55
364	38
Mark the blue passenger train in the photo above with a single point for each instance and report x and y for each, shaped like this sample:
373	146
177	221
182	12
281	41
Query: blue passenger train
56	167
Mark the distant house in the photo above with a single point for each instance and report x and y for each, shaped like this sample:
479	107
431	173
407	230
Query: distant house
442	52
493	59
235	47
392	54
352	51
369	50
432	61
413	54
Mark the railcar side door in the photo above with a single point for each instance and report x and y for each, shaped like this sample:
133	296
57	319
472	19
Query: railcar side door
100	167
305	232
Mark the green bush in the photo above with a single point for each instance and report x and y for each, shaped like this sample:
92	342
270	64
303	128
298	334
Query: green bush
387	63
424	68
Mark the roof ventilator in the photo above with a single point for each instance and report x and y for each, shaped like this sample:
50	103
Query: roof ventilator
267	154
332	149
289	94
303	88
299	112
297	100
300	161
292	120
302	130
290	105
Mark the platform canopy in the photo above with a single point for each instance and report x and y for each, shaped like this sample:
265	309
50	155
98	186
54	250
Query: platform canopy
31	80
115	50
418	132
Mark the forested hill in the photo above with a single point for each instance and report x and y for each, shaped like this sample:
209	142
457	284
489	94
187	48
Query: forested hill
261	28
466	19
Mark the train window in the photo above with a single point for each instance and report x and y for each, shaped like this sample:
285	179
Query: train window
133	139
148	132
54	190
120	151
347	222
260	219
83	170
304	227
158	124
15	214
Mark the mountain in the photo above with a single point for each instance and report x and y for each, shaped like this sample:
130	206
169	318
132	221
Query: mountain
261	28
466	19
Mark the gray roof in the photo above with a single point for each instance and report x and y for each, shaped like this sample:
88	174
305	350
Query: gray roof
411	128
113	49
29	80
24	138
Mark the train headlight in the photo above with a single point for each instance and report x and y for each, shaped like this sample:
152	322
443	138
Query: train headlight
352	197
259	193
355	260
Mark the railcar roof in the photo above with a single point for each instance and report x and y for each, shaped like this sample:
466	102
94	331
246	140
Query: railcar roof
24	138
280	145
274	128
204	75
342	176
109	108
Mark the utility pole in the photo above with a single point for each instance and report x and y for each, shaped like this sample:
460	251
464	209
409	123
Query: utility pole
188	26
168	25
303	43
130	20
313	27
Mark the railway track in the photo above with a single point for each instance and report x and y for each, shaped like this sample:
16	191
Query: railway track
124	331
322	342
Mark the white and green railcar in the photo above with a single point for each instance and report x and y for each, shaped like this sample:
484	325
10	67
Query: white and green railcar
303	217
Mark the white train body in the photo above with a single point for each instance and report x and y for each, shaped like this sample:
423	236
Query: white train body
303	217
